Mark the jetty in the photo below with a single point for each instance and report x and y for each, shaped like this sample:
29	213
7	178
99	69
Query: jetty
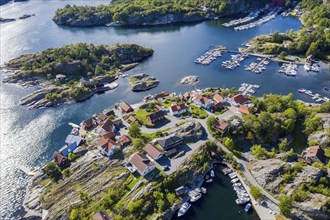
289	69
271	15
211	55
235	60
248	89
257	67
315	96
248	18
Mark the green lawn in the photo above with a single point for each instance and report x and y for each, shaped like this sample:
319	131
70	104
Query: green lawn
219	112
167	103
197	112
134	181
154	135
141	114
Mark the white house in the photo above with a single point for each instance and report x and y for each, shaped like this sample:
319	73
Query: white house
178	109
108	146
142	164
202	101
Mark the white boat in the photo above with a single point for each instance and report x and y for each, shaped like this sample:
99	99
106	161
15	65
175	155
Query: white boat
247	207
196	197
307	67
204	190
184	208
241	201
234	180
209	181
212	173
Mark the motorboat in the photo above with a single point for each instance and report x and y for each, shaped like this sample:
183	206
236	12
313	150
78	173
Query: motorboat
209	181
203	190
234	180
184	208
247	207
196	197
212	174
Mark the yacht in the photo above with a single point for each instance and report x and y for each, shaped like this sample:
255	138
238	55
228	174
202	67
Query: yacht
307	67
183	209
212	173
247	207
203	189
209	181
234	180
195	197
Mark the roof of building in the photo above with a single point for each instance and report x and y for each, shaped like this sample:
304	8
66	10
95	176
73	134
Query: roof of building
178	107
156	115
132	118
109	112
101	116
124	139
244	109
161	95
239	99
168	141
102	215
125	107
88	122
153	151
202	99
141	162
106	125
73	138
117	122
69	149
217	105
59	158
108	135
159	107
221	125
84	80
107	144
217	98
316	151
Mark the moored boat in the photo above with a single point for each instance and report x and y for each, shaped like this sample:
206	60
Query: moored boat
212	173
203	189
195	197
209	181
184	208
247	207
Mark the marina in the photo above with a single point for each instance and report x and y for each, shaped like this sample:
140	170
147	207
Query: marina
211	55
235	60
248	89
290	69
258	67
271	15
251	16
313	67
315	96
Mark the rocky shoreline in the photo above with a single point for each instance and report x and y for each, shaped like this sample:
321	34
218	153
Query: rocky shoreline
142	82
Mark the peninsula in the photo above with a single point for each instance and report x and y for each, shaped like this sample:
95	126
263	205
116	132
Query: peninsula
115	164
149	13
73	72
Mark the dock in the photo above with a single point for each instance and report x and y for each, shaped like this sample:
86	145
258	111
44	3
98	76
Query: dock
248	89
315	96
289	69
258	67
211	55
250	17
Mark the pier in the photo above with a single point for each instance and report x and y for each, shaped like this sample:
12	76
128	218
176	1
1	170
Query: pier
211	55
289	69
248	89
315	96
250	17
258	67
235	60
271	15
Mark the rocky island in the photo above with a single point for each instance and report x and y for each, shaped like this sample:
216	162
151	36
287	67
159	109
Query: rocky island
149	13
73	72
142	82
190	80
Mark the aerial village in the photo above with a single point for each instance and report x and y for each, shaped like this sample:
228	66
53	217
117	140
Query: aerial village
177	127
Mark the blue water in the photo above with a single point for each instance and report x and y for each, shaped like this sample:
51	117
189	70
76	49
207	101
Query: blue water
29	137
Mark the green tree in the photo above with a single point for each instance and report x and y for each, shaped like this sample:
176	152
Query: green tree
282	55
134	130
283	145
285	205
53	171
258	151
255	192
229	143
74	214
137	143
171	198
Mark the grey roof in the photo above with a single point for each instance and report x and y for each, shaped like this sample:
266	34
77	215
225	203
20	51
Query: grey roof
166	142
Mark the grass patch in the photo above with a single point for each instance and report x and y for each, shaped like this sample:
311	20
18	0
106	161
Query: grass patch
299	142
156	134
167	103
197	112
44	182
134	181
220	111
141	114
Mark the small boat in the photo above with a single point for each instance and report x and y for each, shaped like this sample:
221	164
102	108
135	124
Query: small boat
183	209
302	90
209	181
203	189
234	180
247	207
307	67
242	201
195	197
212	173
326	88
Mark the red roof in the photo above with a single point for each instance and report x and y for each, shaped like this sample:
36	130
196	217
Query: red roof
201	98
126	107
107	125
153	151
107	144
221	125
141	162
108	135
239	99
178	107
124	140
244	109
217	98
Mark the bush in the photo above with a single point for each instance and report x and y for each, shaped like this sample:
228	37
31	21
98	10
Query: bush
53	171
255	192
285	205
